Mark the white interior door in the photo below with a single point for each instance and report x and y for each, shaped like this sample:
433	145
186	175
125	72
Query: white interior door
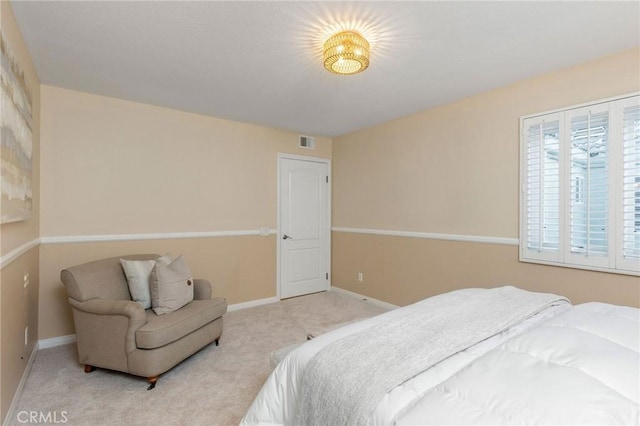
304	230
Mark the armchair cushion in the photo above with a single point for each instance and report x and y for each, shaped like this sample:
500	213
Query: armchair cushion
171	286
138	273
161	330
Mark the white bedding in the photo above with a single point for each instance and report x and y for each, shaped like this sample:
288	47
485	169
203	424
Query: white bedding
566	365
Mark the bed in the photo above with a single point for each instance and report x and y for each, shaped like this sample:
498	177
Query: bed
473	356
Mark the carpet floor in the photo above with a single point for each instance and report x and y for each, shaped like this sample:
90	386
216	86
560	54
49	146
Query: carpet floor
213	387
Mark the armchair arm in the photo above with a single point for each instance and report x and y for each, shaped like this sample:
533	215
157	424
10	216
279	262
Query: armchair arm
127	308
201	289
113	320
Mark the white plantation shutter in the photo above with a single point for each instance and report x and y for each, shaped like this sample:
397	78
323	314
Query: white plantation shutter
580	187
589	159
542	186
630	258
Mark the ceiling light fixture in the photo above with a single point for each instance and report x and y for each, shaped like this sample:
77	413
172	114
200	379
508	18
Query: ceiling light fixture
346	52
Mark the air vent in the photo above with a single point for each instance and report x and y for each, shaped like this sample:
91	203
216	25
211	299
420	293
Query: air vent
307	142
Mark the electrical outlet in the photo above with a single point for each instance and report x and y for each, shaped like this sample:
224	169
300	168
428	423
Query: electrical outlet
360	277
264	231
26	335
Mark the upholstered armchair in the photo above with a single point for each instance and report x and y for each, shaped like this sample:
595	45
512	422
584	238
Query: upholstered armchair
116	333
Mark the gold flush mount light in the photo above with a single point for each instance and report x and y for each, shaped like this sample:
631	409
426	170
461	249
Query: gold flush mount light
346	53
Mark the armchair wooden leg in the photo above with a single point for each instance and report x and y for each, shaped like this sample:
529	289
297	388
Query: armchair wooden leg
88	368
217	342
152	382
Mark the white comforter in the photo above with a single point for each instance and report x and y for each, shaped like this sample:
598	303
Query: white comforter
566	365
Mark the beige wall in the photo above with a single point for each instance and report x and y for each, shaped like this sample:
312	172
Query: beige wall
402	270
18	306
112	167
19	310
117	167
454	170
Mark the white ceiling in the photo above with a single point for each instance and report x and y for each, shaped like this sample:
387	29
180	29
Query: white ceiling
260	62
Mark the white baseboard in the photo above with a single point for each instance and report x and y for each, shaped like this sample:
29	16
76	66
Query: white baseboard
16	396
371	300
56	341
252	303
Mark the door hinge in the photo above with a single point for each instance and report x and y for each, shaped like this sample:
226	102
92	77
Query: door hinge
327	275
327	179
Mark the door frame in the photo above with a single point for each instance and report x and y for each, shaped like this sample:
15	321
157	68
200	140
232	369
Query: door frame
327	162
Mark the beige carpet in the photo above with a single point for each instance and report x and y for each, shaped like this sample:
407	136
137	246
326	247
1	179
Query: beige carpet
213	387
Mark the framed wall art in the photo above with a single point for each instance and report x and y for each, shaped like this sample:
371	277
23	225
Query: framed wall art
16	150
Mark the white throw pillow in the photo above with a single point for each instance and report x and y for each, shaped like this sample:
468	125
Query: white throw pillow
137	273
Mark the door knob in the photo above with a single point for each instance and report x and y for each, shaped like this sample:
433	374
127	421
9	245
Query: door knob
285	237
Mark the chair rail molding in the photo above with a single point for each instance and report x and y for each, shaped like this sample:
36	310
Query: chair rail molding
17	252
431	236
69	239
155	236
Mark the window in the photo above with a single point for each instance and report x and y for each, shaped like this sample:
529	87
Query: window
580	195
